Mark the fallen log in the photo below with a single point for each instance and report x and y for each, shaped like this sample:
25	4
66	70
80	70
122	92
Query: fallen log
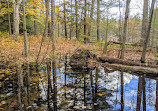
113	42
133	69
124	62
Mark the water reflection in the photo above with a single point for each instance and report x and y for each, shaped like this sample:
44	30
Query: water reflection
55	86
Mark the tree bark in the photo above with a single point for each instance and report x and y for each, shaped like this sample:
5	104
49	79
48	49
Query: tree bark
148	33
91	17
53	39
25	31
125	30
98	20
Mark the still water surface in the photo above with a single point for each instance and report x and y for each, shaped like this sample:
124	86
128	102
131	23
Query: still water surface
56	86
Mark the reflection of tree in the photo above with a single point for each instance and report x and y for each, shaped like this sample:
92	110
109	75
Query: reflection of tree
144	93
141	91
101	94
49	89
20	87
54	85
157	95
122	92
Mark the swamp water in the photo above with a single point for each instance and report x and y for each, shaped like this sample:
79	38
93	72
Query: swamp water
55	86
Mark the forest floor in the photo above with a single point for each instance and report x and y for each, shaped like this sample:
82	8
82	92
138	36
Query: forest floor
11	50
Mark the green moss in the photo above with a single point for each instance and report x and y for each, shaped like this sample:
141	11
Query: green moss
156	55
102	43
53	55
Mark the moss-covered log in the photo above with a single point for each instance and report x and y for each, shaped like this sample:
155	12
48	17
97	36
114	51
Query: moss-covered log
133	69
124	62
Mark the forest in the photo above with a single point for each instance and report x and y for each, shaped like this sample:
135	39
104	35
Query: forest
78	55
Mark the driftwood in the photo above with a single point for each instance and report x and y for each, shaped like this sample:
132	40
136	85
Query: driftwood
124	62
133	69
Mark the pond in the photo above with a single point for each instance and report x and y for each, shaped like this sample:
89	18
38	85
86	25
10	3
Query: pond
56	86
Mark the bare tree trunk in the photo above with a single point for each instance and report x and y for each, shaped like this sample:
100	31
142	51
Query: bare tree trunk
91	17
10	32
45	34
25	31
16	6
120	26
49	24
65	24
98	20
106	37
144	21
76	10
35	27
125	30
71	22
53	39
35	22
85	15
13	16
148	32
58	21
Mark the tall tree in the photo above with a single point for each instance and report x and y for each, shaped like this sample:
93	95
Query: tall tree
91	17
98	20
145	20
85	15
35	22
16	7
106	36
10	32
45	34
25	30
71	22
76	14
53	39
65	24
148	32
125	30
